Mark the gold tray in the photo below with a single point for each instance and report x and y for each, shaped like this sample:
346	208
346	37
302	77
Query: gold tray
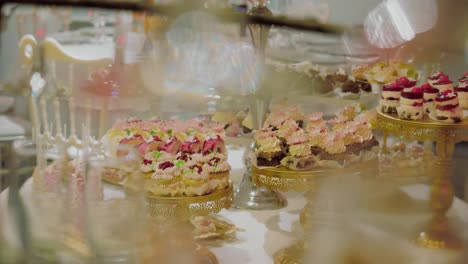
284	179
184	206
425	129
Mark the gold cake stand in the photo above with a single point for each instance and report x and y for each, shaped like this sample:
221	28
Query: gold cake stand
284	179
437	234
182	207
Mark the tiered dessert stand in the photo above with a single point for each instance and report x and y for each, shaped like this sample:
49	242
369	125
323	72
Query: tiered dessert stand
437	234
283	179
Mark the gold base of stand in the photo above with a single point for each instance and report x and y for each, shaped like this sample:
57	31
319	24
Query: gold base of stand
291	255
437	234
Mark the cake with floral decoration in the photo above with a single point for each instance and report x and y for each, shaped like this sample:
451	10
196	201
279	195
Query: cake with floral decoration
447	107
430	94
178	157
411	104
462	91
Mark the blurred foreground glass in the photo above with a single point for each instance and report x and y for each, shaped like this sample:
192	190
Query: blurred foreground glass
115	218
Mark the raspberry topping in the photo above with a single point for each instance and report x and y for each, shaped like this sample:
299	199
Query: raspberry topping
403	79
446	107
147	162
444	78
416	90
445	96
197	168
184	157
165	165
213	161
392	87
436	75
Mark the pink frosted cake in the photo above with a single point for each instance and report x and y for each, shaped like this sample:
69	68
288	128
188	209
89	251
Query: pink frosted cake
447	107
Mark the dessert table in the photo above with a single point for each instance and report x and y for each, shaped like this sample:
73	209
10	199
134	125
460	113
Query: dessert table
266	232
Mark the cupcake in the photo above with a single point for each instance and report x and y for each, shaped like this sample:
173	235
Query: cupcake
269	148
218	173
391	94
314	120
411	104
165	181
430	94
297	144
196	181
447	107
287	128
443	83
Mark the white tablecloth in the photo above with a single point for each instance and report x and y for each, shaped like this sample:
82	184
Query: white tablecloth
271	230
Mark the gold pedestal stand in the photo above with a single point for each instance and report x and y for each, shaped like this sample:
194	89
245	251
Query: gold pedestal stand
437	234
283	179
180	208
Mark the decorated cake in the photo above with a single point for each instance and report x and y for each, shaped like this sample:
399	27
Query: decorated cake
178	157
390	100
411	104
462	91
430	94
447	107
